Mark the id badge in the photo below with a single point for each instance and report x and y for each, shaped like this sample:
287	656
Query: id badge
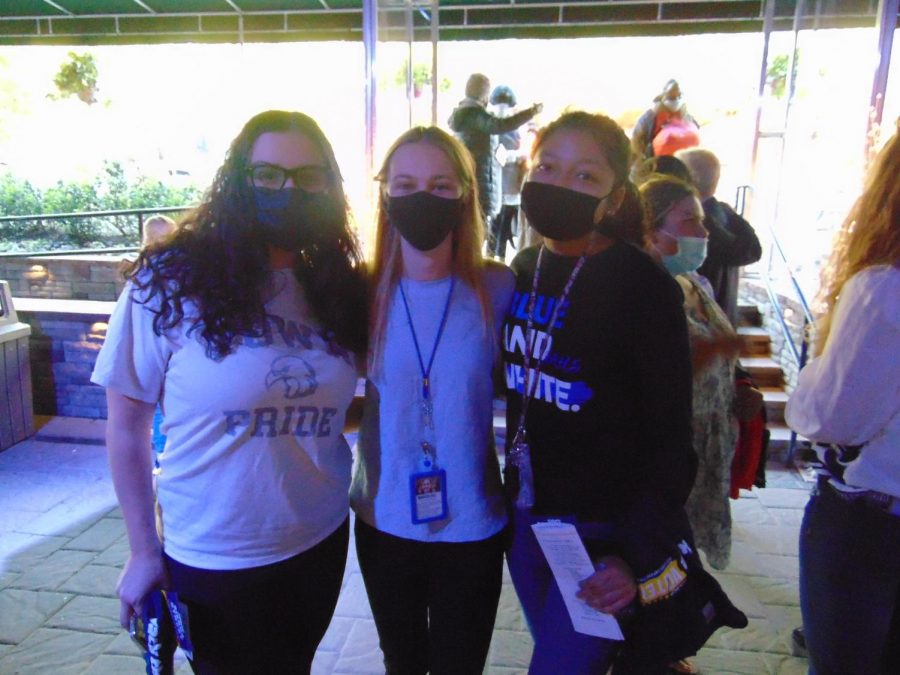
428	496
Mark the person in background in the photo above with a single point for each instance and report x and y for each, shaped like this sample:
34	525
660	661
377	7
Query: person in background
504	227
430	513
244	325
667	165
732	240
848	396
156	229
479	130
665	127
678	240
598	380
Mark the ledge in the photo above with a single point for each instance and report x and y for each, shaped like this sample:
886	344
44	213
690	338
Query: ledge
64	307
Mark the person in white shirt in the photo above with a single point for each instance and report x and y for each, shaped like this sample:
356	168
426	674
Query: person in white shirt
848	396
243	325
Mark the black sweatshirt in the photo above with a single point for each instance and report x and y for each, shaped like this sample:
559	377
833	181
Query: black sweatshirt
610	425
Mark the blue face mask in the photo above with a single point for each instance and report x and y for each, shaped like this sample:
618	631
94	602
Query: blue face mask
691	254
292	218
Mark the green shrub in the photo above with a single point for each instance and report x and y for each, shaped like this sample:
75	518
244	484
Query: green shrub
111	190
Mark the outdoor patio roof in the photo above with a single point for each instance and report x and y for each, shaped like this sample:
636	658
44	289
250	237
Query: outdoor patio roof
88	22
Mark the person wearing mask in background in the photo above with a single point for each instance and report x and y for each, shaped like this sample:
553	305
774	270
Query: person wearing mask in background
599	418
732	240
665	127
848	396
679	240
479	130
244	324
429	505
513	164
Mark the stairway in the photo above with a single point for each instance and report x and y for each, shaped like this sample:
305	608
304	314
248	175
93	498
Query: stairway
756	357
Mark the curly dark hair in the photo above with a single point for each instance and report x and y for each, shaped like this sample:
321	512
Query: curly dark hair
218	261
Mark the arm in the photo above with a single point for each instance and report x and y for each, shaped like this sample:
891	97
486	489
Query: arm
664	459
491	124
851	392
640	136
130	462
733	241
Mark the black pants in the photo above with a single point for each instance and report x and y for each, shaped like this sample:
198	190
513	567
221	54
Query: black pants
502	229
266	619
434	603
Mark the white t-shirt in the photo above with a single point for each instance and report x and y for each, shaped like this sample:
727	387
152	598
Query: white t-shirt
850	395
390	436
256	468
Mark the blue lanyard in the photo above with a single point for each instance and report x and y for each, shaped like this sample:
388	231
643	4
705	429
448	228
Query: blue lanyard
426	372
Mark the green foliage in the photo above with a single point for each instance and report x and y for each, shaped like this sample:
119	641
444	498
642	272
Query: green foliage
777	73
78	77
421	77
111	190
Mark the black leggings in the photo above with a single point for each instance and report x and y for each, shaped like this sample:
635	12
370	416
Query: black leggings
434	603
261	620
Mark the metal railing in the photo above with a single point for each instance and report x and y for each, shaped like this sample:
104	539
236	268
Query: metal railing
777	255
799	352
139	214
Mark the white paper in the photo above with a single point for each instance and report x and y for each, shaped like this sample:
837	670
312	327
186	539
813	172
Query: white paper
570	563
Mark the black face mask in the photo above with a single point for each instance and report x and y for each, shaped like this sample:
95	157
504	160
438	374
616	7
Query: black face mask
559	213
291	218
423	219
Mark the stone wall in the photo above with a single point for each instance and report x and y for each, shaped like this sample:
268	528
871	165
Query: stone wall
85	277
753	292
65	339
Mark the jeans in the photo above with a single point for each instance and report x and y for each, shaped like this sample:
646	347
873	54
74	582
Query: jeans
434	603
850	586
265	620
557	647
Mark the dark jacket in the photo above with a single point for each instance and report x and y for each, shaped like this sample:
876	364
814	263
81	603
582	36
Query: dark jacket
732	243
478	130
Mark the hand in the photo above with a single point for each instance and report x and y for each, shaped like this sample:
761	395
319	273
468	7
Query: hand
704	350
537	107
611	588
748	401
142	574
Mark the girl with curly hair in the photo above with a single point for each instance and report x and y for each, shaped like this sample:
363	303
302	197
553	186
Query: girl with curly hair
245	325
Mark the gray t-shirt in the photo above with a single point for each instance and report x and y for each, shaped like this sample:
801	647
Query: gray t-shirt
392	429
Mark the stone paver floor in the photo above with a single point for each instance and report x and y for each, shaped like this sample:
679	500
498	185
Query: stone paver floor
62	545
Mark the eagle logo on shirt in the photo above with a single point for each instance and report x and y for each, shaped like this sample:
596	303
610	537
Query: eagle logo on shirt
294	374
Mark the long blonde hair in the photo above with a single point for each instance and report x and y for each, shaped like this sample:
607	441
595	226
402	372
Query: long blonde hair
870	235
467	263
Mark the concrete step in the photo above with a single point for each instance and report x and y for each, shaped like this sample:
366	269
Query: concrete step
749	315
755	341
774	399
779	441
765	371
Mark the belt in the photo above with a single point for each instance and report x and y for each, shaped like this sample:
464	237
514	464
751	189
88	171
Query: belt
880	501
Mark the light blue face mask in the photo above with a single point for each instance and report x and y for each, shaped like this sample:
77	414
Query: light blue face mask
691	254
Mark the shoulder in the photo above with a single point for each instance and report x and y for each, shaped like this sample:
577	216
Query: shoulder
525	261
646	281
878	286
500	284
648	117
498	277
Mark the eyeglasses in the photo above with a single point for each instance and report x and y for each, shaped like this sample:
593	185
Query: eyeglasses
274	177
